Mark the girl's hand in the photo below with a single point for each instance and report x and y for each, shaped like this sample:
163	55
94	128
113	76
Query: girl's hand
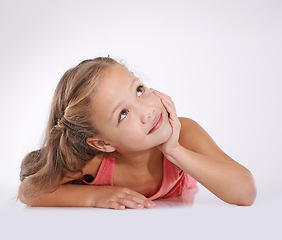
119	198
172	143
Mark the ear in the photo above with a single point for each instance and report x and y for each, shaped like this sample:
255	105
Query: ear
99	144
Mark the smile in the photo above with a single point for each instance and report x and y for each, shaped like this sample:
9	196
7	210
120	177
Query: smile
157	124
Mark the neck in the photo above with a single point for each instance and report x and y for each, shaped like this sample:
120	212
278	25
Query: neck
139	160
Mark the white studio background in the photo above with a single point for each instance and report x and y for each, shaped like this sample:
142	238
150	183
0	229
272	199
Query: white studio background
219	60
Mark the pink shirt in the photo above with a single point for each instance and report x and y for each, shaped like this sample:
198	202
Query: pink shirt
173	184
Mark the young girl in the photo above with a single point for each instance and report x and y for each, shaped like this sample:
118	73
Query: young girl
112	142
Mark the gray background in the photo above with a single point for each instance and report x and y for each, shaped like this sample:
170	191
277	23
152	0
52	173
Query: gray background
220	61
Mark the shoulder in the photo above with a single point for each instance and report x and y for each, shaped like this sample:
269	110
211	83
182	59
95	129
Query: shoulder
191	133
91	168
195	138
190	130
188	123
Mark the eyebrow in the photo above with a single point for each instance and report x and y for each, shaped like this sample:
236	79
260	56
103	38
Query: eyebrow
130	89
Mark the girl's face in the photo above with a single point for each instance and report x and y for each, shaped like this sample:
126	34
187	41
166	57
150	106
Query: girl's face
128	115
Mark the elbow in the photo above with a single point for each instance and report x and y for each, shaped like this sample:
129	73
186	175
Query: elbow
244	197
248	192
244	193
250	197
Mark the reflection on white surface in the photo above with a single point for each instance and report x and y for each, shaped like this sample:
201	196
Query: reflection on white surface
186	199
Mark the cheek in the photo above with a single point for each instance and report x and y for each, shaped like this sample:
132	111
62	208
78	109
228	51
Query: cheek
130	132
134	132
153	100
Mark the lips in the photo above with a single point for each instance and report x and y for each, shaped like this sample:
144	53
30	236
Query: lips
157	124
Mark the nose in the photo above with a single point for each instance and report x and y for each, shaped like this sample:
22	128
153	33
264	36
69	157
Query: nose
147	113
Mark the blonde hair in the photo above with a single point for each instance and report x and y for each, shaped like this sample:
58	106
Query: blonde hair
65	150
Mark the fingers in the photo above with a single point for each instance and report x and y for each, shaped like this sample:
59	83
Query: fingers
168	104
135	200
161	95
116	205
127	198
122	203
140	200
128	203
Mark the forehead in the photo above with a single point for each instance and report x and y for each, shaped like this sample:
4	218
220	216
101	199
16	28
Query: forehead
113	86
117	75
115	78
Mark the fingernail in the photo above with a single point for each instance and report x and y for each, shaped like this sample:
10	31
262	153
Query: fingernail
149	204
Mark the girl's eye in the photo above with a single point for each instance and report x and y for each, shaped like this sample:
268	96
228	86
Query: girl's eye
140	90
123	114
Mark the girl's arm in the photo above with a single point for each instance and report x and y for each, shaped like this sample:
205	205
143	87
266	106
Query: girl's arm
209	165
194	151
72	195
